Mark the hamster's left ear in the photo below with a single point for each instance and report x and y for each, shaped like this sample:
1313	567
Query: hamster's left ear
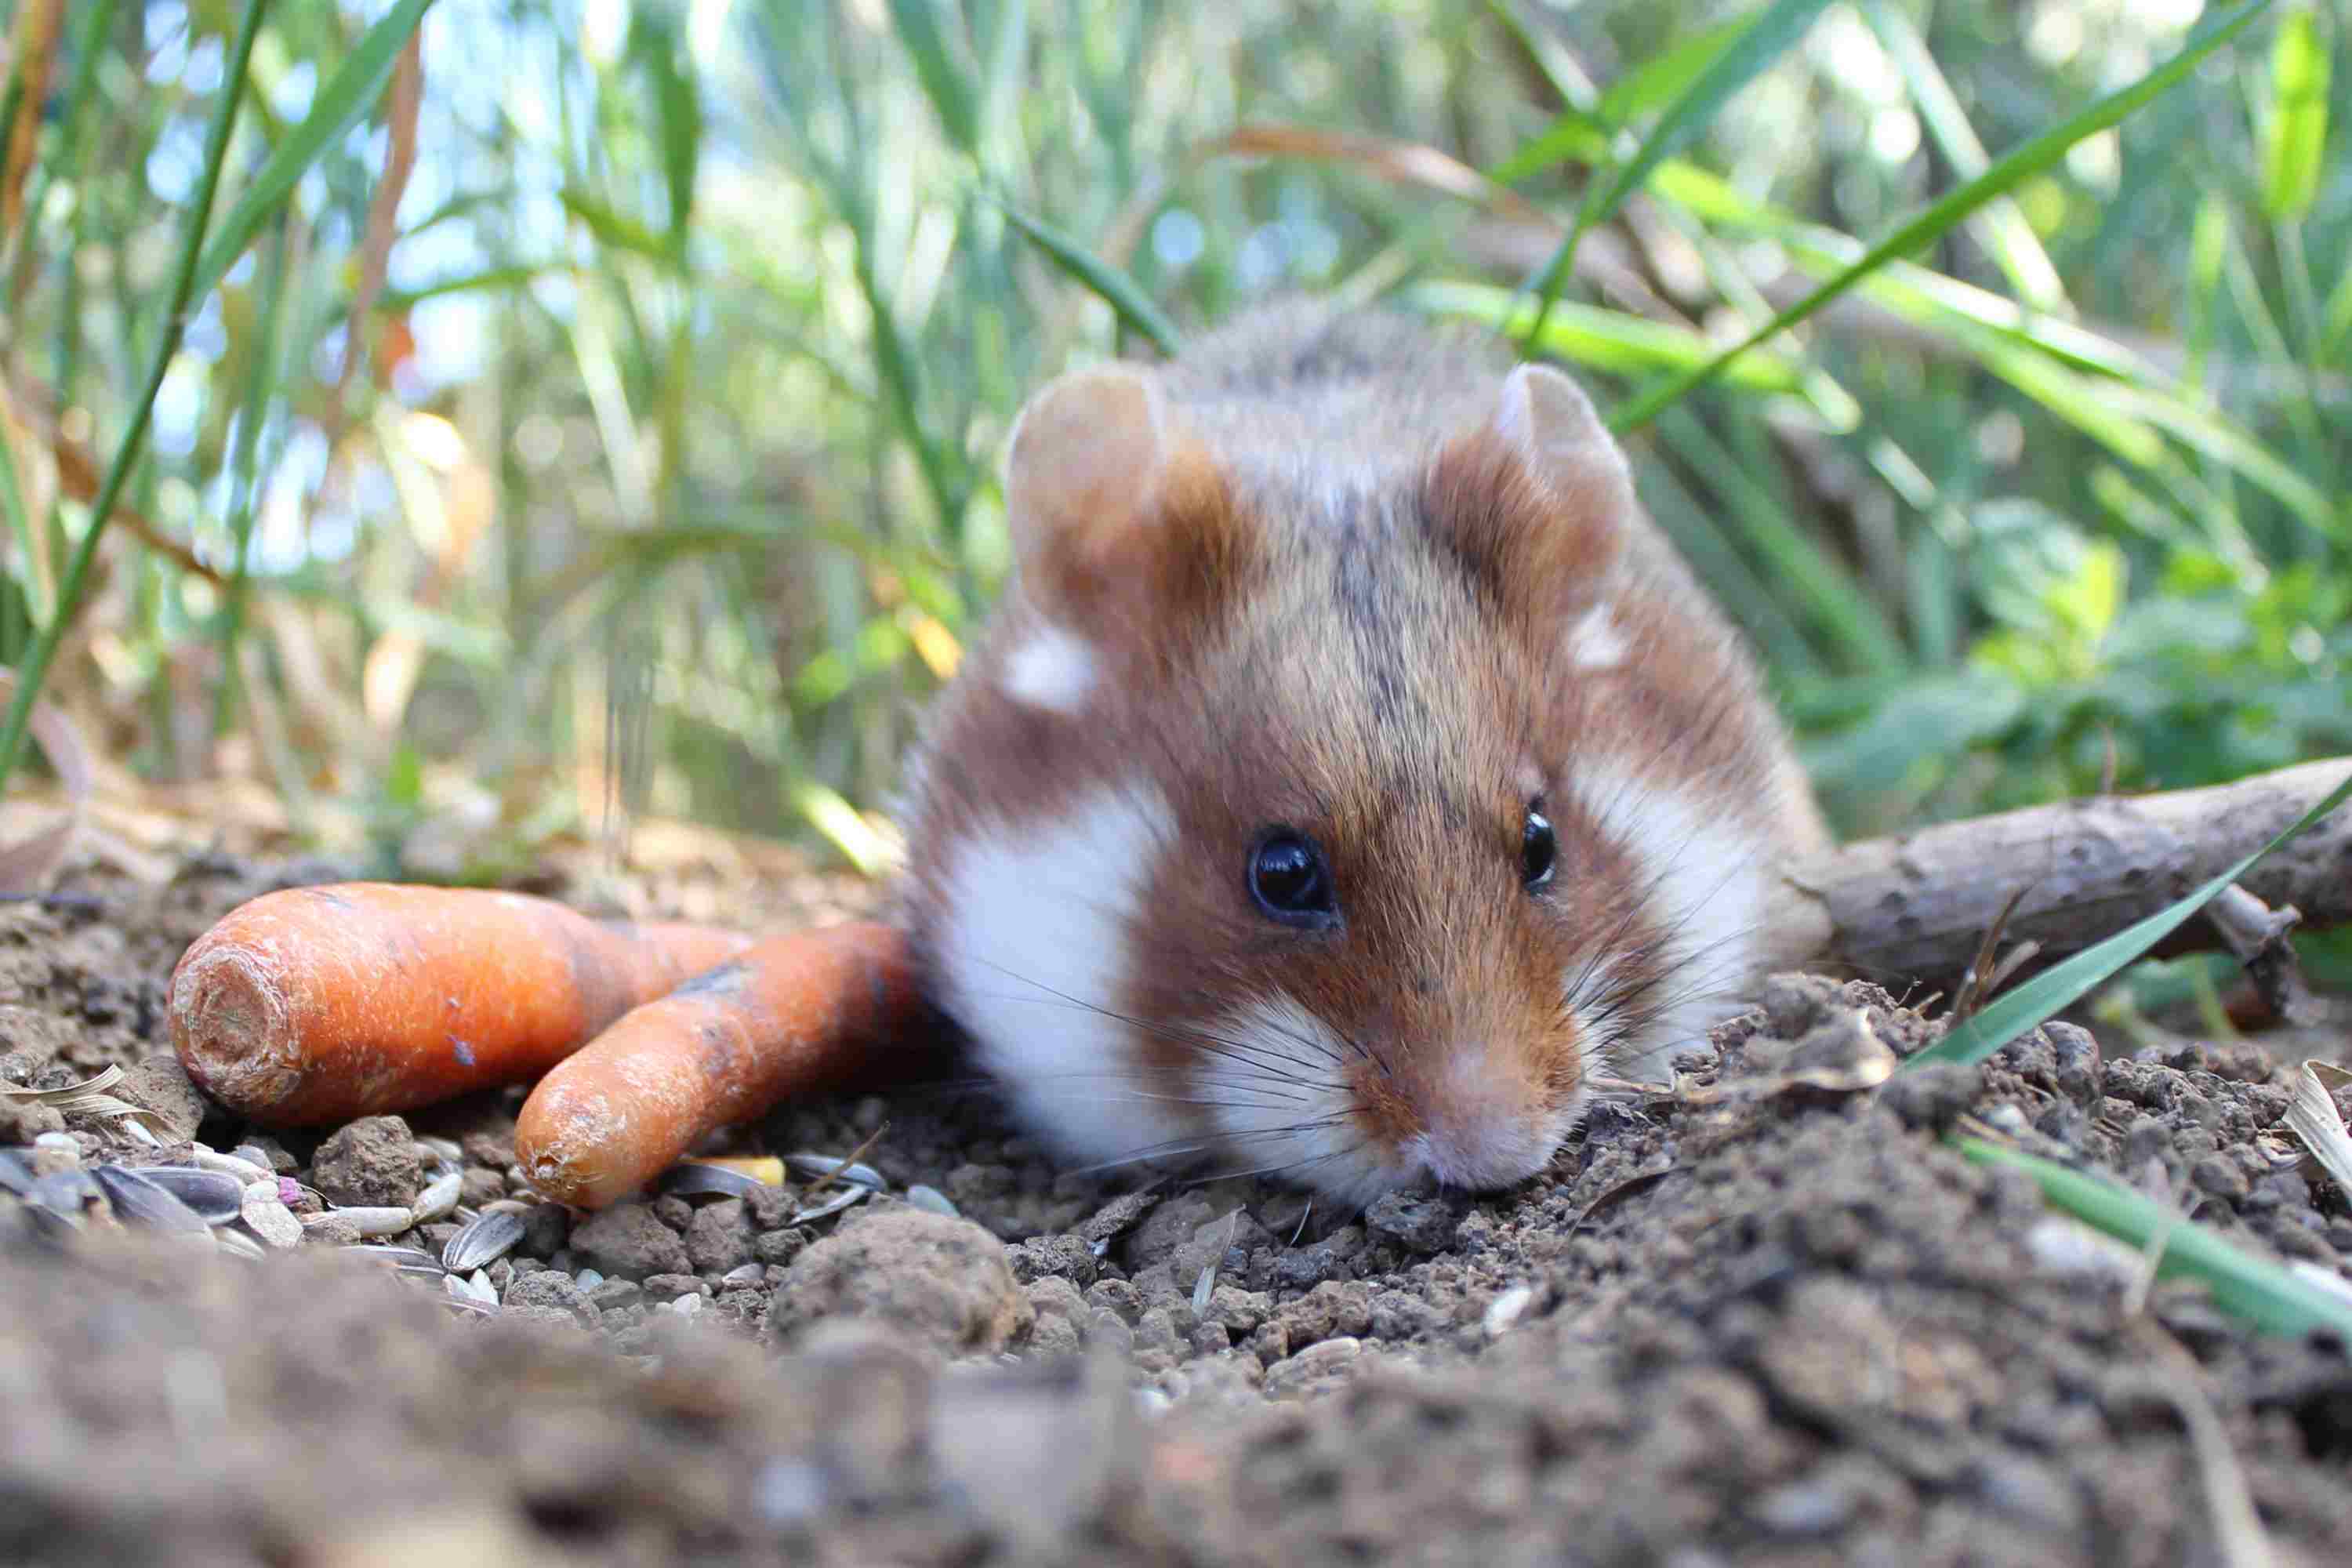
1117	515
1538	502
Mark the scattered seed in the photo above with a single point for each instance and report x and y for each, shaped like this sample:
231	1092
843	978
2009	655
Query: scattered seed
831	1206
445	1150
694	1178
244	1171
145	1203
740	1275
508	1206
438	1200
933	1200
15	1175
253	1156
846	1171
373	1220
218	1197
587	1279
270	1220
399	1259
479	1282
1505	1310
236	1244
491	1235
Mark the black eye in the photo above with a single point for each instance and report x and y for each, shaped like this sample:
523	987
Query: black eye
1288	878
1536	850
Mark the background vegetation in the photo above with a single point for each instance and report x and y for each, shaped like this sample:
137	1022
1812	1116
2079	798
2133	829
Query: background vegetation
563	404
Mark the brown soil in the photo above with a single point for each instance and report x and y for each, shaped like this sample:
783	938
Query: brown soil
1786	1329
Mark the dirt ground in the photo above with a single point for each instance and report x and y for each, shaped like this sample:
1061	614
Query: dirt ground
1783	1329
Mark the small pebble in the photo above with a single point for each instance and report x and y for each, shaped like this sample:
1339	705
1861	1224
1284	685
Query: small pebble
589	1279
55	1153
268	1218
1505	1310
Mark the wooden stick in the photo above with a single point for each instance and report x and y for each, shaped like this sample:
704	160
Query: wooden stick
1913	907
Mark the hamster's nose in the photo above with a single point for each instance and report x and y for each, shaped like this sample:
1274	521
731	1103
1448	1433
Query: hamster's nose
1484	1148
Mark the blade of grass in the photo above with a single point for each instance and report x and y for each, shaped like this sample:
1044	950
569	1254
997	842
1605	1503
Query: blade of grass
1587	334
2013	170
2294	131
89	48
2001	225
922	28
2063	984
1122	293
1773	31
43	652
2248	1286
341	104
244	481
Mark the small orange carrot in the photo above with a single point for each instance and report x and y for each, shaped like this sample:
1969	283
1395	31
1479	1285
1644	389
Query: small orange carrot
835	1008
316	1004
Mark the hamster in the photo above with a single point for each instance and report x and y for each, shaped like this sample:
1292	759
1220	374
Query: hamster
1350	772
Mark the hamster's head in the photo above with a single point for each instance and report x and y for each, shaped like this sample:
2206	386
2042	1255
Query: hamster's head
1258	829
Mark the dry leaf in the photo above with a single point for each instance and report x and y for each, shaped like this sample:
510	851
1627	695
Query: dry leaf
2315	1118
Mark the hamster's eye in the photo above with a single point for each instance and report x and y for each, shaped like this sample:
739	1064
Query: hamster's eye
1288	878
1538	849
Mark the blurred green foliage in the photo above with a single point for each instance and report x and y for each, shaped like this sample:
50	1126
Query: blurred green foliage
642	446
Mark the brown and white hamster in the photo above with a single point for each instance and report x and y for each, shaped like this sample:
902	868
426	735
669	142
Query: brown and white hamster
1351	770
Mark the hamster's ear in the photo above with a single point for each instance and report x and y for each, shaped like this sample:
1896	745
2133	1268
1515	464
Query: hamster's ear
1115	514
1538	502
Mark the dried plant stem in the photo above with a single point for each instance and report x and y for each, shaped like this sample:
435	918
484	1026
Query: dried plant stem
43	652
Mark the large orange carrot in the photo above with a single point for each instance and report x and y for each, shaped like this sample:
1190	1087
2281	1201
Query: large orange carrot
316	1004
835	1008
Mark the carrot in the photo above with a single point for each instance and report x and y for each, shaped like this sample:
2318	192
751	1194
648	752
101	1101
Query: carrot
835	1008
316	1004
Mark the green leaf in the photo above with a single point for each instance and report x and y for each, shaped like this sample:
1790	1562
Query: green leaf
2294	134
1765	39
2261	1293
2035	156
2059	988
1122	293
1660	79
342	103
1575	137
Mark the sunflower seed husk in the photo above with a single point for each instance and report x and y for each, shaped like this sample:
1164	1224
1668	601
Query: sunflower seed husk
253	1156
15	1175
438	1200
744	1274
491	1235
692	1178
68	1193
831	1206
431	1147
399	1259
460	1295
270	1220
236	1244
149	1204
218	1197
933	1200
479	1282
244	1171
48	1225
371	1220
854	1172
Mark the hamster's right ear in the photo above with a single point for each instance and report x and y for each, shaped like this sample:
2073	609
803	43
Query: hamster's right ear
1117	515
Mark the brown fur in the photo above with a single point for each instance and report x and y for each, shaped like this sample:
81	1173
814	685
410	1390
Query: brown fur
1361	641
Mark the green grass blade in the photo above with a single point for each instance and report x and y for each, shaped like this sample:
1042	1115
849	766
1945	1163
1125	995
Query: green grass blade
1575	137
616	229
2294	132
1606	340
2063	984
922	27
1774	29
2011	170
35	667
1121	293
2001	225
342	103
1660	79
2261	1293
678	114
